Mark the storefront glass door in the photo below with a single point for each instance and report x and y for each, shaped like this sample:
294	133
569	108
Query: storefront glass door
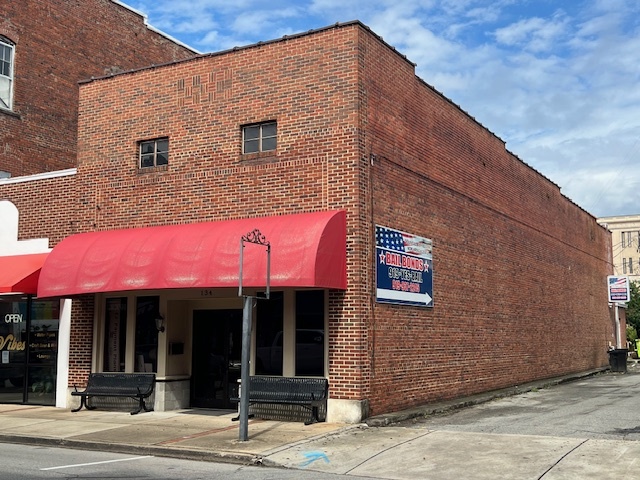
217	350
28	350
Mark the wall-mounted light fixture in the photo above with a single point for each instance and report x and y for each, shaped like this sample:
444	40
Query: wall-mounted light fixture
160	323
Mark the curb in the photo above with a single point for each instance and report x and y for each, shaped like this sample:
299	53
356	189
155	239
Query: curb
151	450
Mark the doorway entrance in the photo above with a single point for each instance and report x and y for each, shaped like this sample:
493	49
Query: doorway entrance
217	350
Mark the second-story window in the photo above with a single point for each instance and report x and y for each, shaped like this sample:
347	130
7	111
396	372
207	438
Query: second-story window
259	137
154	153
6	73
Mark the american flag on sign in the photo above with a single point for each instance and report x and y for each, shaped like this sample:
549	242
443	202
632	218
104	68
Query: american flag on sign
403	242
618	282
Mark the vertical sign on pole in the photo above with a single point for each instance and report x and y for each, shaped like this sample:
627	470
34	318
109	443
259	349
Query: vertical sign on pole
257	238
619	291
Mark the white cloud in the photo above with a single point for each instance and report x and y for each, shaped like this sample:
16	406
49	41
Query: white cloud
533	34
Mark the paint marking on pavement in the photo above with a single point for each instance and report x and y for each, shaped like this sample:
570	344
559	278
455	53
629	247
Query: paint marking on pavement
96	463
314	456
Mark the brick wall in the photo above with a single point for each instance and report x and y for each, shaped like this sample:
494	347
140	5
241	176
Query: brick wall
519	271
81	340
48	207
58	43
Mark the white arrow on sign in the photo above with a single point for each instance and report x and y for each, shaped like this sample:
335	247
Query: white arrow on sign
421	298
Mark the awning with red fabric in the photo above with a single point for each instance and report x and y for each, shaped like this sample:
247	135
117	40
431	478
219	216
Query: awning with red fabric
19	273
307	250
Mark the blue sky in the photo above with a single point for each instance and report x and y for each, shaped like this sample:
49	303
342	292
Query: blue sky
558	81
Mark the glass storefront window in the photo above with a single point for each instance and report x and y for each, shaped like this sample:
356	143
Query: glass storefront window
310	333
147	310
269	321
43	352
13	349
115	334
28	350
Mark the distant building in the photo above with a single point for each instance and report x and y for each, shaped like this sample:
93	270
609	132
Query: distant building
625	239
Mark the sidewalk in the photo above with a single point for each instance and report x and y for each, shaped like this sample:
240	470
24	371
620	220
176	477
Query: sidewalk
331	447
192	434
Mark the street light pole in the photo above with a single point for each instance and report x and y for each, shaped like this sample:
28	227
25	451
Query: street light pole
244	368
247	309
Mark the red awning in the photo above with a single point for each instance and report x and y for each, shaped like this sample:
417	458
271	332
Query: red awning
19	273
307	250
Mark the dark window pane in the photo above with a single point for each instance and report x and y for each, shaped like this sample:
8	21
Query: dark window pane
146	161
310	333
269	130
163	145
147	310
251	133
115	334
251	146
162	159
269	144
147	147
41	385
269	322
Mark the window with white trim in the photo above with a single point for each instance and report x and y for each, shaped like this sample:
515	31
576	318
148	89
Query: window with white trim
259	137
154	153
6	73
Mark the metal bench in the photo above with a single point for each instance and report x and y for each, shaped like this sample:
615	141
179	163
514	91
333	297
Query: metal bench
310	393
137	386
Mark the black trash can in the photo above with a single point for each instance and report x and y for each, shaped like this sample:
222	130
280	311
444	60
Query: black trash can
618	359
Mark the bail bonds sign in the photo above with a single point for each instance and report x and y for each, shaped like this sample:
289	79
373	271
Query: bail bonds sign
619	289
404	268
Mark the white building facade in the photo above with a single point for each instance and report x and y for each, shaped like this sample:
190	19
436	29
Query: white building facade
625	238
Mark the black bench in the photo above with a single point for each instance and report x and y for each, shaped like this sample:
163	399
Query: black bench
310	393
137	386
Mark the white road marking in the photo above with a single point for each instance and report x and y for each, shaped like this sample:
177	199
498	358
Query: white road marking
96	463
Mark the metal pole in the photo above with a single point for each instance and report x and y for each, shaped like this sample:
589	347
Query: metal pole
240	274
244	368
247	309
268	268
618	333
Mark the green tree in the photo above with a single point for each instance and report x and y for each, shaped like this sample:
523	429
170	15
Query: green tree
633	307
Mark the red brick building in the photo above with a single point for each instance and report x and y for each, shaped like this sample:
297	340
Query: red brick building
329	144
46	48
49	46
